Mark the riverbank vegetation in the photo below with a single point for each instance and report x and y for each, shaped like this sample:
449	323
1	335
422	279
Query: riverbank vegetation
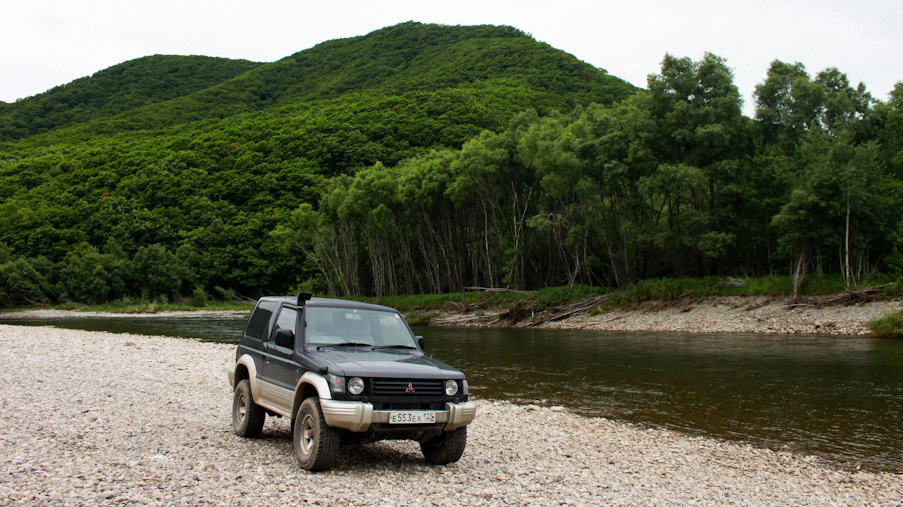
425	159
888	326
132	306
825	290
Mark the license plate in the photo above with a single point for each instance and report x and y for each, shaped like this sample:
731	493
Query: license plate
412	418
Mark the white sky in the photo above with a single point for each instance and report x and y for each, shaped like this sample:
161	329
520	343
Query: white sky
46	43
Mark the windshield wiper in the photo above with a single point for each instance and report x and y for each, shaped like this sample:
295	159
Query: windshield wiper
345	344
395	347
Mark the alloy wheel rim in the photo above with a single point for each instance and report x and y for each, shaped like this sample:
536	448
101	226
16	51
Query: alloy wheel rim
307	434
242	407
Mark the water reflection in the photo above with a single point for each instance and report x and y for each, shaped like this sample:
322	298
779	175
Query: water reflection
221	329
838	397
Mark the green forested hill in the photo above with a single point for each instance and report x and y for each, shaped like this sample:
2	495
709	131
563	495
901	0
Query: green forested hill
113	91
194	161
411	57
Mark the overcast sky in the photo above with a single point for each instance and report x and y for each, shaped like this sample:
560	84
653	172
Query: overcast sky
46	43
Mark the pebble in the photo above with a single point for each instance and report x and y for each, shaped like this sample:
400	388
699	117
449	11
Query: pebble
86	419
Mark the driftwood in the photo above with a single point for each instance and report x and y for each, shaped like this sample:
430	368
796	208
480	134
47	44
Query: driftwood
496	290
575	308
520	311
850	297
857	296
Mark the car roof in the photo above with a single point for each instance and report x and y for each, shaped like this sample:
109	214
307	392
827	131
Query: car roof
330	303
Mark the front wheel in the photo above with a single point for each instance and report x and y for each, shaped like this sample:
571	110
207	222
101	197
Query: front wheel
316	445
247	416
446	448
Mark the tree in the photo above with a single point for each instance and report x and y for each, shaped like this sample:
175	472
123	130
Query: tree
159	272
840	191
691	133
23	280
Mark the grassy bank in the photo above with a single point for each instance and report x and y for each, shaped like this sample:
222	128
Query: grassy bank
662	289
422	308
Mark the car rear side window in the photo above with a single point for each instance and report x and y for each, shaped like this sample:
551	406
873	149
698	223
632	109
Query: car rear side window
260	320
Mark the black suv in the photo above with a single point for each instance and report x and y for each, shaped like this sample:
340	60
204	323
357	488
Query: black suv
345	372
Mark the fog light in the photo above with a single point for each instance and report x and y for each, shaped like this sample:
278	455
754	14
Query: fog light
451	387
356	386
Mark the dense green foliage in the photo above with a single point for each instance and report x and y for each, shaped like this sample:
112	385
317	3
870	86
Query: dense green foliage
197	166
429	159
673	182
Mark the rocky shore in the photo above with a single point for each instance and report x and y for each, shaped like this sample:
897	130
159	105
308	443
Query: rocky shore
93	418
734	314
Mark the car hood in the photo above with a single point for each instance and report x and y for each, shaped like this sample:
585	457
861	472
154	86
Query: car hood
354	362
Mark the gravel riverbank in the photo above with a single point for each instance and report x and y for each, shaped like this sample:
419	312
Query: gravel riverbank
732	314
94	418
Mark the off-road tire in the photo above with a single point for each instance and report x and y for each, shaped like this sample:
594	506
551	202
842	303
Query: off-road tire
247	416
446	448
315	445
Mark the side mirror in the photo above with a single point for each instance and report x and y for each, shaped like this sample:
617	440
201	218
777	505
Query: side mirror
285	338
420	342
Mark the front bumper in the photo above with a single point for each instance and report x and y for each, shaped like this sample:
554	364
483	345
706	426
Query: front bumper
357	416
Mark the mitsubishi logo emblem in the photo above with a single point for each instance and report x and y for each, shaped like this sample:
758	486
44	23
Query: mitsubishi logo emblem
410	388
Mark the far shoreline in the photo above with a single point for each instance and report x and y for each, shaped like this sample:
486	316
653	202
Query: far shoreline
718	314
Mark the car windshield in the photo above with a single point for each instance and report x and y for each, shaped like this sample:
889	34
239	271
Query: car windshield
353	326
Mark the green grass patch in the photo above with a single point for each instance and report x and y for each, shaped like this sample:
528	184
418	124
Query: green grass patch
888	326
555	296
144	306
416	318
670	289
408	302
423	302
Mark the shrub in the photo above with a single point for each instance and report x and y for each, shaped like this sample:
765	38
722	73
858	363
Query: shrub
198	297
420	318
888	326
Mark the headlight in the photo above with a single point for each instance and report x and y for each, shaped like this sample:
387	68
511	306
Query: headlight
451	387
355	386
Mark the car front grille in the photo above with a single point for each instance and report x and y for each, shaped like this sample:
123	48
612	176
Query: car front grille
408	388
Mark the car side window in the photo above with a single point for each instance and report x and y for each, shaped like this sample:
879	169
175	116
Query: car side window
260	320
286	320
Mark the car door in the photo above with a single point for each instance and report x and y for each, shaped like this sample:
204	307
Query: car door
280	368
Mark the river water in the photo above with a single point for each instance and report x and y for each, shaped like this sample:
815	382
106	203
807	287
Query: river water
837	397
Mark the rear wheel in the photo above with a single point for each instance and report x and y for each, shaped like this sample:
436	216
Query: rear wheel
247	416
316	445
445	448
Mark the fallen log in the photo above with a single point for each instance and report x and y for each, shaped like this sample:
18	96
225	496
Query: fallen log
574	309
857	296
496	290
